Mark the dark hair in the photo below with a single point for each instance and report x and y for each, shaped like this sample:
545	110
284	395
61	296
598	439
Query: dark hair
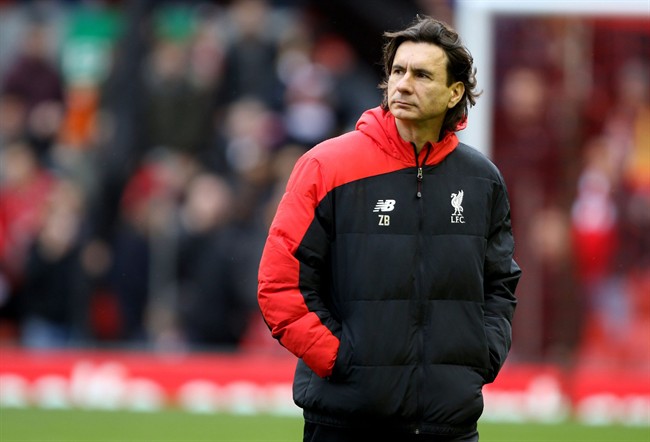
459	62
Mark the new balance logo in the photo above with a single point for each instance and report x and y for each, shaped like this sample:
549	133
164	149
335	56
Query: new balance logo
384	206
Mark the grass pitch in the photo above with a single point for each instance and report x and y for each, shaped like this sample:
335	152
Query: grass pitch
37	425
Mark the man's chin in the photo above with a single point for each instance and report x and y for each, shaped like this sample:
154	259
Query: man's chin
403	113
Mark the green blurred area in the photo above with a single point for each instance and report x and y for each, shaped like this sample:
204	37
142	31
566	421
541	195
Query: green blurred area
37	425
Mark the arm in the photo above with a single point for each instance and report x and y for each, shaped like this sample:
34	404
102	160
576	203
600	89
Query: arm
291	272
500	281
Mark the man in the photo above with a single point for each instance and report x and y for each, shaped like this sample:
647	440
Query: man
389	265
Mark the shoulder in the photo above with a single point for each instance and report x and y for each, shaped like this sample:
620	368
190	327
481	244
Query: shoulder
319	167
343	155
343	159
333	150
474	162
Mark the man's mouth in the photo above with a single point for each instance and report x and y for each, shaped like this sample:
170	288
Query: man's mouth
402	103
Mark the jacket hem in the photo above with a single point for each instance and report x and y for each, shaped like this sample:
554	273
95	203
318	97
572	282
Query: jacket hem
399	425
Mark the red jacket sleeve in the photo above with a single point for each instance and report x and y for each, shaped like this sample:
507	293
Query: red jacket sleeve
290	303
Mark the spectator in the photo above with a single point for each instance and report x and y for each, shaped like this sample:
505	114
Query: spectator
25	186
310	115
526	148
178	109
251	132
611	222
213	306
628	135
54	298
144	246
251	55
34	81
354	83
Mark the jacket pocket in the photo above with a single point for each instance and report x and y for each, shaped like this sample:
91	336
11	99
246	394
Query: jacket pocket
341	368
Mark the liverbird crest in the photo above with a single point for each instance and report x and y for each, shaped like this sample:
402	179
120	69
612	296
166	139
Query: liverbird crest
457	201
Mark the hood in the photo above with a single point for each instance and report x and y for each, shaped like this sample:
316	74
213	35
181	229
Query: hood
379	125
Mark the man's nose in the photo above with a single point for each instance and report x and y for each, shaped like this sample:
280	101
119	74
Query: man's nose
405	83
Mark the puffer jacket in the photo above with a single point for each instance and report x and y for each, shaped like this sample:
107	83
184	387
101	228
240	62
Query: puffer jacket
390	275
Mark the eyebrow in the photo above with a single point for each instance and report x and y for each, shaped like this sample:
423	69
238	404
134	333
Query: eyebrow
416	70
423	71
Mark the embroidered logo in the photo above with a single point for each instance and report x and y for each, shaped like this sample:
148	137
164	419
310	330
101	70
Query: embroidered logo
457	204
384	206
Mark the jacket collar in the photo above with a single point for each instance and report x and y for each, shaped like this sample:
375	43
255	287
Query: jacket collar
380	125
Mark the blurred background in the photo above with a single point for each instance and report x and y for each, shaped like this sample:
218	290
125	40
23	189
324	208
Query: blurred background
144	145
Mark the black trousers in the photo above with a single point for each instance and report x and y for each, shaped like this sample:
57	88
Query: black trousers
325	433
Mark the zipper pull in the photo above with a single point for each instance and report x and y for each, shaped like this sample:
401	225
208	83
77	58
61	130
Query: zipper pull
420	173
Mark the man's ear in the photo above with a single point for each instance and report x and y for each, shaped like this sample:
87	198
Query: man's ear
457	91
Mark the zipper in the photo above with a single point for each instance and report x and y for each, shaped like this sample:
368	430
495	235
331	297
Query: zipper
420	295
420	174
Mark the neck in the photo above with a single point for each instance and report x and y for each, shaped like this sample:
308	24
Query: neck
418	133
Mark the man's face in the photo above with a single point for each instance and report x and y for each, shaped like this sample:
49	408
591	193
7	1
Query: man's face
417	85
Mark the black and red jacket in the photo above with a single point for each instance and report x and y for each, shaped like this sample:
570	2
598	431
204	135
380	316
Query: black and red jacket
391	276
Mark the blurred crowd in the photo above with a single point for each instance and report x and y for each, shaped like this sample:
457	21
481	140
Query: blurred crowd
137	185
143	152
572	137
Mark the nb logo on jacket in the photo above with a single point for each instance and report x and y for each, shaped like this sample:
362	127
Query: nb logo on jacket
384	206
